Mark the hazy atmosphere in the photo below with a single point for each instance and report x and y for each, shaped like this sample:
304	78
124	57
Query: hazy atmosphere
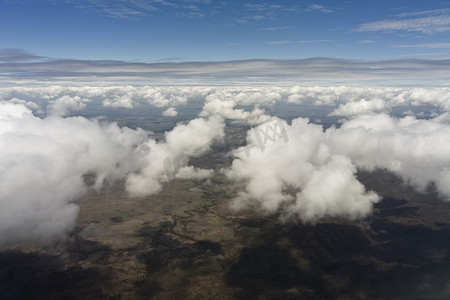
203	149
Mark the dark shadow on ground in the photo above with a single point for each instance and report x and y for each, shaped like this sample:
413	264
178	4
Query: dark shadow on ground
383	259
40	276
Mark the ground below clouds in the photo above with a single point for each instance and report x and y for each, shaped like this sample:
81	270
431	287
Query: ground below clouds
184	244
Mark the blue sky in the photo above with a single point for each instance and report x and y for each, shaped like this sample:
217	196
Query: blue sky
208	30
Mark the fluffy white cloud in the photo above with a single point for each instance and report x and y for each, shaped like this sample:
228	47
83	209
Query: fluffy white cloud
41	166
28	104
224	108
189	172
111	96
65	104
43	161
294	171
233	102
223	101
52	153
333	190
129	97
415	149
310	173
119	102
158	159
361	107
170	112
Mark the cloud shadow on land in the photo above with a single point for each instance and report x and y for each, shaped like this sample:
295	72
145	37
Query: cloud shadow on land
330	261
42	276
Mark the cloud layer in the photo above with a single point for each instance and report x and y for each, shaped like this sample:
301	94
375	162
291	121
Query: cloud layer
328	71
239	103
298	169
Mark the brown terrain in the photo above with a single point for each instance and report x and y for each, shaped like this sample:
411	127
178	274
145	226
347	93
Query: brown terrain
184	243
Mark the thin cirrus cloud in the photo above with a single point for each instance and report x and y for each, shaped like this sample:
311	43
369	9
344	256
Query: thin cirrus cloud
426	45
116	8
320	8
138	9
279	42
433	21
298	42
251	12
313	41
363	42
441	11
277	28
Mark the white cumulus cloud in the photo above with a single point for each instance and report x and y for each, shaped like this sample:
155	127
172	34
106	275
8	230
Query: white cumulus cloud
301	170
297	175
158	159
66	104
43	161
170	112
361	107
415	149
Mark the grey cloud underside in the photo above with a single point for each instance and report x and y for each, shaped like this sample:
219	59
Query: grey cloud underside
324	70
